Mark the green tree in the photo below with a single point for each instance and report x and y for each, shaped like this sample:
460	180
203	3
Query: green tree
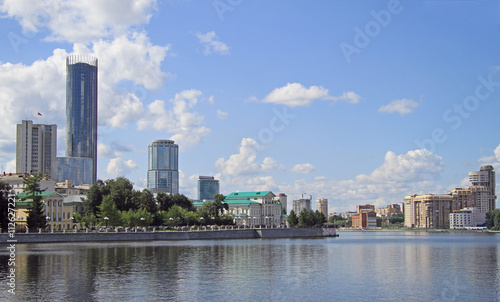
4	206
122	193
89	220
293	220
306	218
78	218
94	198
182	201
219	204
491	217
165	201
36	214
175	216
319	218
206	212
147	201
109	210
397	218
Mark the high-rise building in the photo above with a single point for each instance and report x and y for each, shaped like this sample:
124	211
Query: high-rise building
281	199
78	170
36	149
303	203
208	186
163	171
81	109
485	177
322	206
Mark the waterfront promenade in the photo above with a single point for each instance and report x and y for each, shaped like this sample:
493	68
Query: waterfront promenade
167	235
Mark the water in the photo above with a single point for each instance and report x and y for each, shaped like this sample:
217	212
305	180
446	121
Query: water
357	266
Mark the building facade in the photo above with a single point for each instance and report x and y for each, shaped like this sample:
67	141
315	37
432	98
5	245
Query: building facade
253	209
364	220
282	199
429	210
485	177
163	171
322	206
466	218
208	186
78	170
303	203
81	109
36	149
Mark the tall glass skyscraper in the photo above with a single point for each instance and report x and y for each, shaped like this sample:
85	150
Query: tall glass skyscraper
81	109
163	171
208	186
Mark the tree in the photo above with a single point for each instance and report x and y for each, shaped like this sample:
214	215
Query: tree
490	218
122	194
36	215
4	206
147	201
319	218
78	218
182	201
94	198
108	209
306	218
220	205
293	220
165	201
206	211
397	218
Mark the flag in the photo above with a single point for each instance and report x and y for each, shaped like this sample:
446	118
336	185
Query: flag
39	114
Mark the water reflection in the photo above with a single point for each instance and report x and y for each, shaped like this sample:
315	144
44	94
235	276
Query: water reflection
353	267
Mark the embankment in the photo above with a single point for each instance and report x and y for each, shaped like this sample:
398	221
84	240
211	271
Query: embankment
152	236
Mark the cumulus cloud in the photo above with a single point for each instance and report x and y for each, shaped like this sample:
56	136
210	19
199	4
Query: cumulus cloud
295	94
399	175
79	21
118	167
211	43
221	115
403	107
303	168
186	126
493	160
244	163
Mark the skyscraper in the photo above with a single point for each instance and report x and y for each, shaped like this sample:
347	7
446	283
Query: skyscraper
485	177
81	109
163	172
208	186
36	149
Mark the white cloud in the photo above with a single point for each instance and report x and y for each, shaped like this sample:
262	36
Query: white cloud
118	167
212	44
221	115
185	125
303	168
399	175
79	21
403	107
244	163
295	94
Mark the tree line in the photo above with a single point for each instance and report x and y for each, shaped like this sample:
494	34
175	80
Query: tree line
306	218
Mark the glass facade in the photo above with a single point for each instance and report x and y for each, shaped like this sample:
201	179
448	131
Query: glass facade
207	187
81	109
77	169
163	171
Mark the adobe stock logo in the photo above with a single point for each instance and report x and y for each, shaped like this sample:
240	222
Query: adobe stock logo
363	37
460	112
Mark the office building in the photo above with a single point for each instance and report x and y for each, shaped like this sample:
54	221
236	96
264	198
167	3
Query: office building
163	172
81	110
77	170
208	186
485	177
36	149
322	206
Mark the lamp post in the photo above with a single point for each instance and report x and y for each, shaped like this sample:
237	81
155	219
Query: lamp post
47	218
106	220
72	222
267	221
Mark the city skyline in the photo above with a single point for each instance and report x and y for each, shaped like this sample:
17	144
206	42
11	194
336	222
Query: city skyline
337	100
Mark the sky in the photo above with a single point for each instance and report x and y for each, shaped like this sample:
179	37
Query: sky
354	101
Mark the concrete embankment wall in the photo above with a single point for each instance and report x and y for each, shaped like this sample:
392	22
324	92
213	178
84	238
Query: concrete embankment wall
152	236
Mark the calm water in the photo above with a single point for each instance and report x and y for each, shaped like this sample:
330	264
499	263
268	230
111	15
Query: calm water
357	266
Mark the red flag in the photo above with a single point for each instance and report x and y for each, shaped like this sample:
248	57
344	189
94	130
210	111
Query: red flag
39	114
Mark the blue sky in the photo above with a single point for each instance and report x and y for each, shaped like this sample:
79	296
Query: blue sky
354	101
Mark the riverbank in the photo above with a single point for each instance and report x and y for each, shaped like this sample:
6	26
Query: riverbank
178	235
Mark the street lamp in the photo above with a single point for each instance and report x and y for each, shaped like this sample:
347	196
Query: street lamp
47	218
72	222
106	219
267	221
